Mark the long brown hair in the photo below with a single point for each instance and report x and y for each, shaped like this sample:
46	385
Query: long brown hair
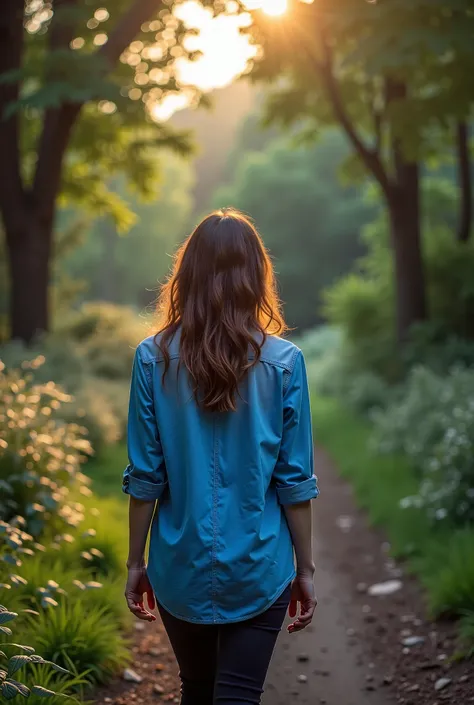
222	295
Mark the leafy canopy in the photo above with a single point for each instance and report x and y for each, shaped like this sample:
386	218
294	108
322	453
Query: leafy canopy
332	63
71	56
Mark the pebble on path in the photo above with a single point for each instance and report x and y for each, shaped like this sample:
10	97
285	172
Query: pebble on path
413	640
131	676
442	683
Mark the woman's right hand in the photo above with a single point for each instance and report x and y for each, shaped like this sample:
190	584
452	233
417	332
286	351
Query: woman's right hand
302	592
138	585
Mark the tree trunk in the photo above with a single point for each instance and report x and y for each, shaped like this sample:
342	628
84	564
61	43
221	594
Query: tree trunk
29	251
405	226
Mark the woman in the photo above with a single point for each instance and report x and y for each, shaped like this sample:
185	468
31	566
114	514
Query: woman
219	432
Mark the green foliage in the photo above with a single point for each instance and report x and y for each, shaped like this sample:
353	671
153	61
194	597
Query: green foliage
308	219
12	687
116	132
321	348
363	305
440	556
82	634
93	409
467	632
125	269
90	354
68	589
450	578
40	456
318	342
368	392
106	337
433	424
73	585
103	470
336	56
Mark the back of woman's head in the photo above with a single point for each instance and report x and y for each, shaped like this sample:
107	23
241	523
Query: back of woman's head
222	296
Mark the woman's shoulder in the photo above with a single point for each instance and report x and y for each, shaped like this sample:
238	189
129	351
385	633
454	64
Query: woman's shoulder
276	350
280	351
149	348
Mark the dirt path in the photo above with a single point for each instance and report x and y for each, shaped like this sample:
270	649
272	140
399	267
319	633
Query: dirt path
353	654
328	662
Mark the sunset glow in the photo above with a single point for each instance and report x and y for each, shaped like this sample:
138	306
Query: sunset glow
225	51
270	7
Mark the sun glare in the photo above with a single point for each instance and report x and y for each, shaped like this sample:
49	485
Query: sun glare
225	50
270	7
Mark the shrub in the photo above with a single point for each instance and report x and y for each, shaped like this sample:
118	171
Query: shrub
433	424
363	305
81	633
433	346
368	392
440	555
318	342
450	577
60	360
106	335
40	456
11	687
94	410
78	618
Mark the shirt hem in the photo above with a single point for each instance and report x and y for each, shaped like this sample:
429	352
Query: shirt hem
243	618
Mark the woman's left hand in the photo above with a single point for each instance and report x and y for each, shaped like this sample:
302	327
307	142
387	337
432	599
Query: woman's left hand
137	586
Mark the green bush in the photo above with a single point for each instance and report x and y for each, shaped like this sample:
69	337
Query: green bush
40	456
90	355
50	357
325	360
440	555
362	304
79	619
94	410
433	424
450	576
12	687
106	335
433	346
82	634
368	392
318	342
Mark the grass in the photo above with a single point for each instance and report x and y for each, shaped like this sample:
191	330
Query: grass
81	634
442	558
106	470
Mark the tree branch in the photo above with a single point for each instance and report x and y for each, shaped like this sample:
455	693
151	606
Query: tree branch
127	28
465	181
11	49
370	157
378	119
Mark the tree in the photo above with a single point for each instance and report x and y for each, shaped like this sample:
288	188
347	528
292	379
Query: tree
309	220
125	270
395	76
73	79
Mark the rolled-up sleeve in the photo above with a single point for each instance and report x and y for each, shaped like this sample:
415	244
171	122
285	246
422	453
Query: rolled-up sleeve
145	475
294	471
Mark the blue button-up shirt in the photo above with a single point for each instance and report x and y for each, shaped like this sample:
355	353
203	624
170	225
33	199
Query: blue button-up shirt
220	547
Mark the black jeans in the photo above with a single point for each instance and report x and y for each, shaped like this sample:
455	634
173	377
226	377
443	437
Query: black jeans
225	664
